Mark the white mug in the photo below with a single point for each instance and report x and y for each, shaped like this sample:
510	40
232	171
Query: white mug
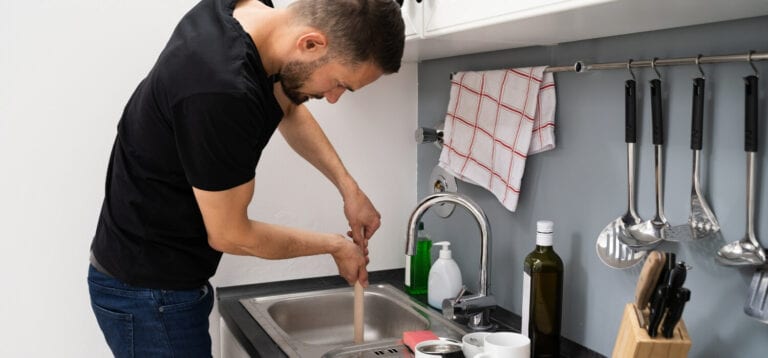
472	343
506	345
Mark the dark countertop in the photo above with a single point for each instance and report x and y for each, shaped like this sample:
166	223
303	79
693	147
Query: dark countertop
257	342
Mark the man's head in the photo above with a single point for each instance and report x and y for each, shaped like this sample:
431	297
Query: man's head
361	40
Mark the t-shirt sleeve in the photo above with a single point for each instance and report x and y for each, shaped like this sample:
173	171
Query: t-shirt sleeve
218	139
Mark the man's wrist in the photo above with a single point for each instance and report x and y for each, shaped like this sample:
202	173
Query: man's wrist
347	187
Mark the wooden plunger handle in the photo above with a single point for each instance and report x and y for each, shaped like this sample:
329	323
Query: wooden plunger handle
359	313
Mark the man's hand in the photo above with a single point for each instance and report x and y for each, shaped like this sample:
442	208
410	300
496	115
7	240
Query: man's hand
363	218
351	262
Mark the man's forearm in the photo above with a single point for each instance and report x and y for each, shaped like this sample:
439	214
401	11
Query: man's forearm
304	135
274	242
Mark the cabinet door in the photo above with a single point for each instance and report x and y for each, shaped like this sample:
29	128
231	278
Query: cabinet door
449	16
228	344
412	16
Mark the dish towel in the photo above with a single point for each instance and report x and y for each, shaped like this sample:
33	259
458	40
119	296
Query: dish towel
494	121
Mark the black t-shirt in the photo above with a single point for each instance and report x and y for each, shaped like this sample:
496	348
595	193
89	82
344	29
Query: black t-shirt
200	118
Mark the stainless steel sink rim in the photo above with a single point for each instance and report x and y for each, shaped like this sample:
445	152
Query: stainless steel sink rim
258	307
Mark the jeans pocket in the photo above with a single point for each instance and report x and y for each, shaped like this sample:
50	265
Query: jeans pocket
178	300
117	328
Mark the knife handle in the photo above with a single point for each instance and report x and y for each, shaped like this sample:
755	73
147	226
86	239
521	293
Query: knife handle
648	278
669	264
677	276
697	113
675	311
630	111
657	310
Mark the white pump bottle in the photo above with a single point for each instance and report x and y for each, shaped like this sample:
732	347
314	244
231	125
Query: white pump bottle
444	277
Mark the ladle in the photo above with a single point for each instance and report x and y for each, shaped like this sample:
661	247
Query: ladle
649	233
747	251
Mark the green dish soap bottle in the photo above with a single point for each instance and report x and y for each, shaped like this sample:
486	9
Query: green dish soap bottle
417	266
543	295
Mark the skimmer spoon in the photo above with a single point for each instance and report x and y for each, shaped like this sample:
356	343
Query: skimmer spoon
610	248
702	222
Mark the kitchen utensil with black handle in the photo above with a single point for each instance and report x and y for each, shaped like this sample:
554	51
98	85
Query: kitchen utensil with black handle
610	245
661	292
675	311
747	251
649	233
702	222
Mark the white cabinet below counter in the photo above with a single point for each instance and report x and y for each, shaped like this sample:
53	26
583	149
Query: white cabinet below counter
458	27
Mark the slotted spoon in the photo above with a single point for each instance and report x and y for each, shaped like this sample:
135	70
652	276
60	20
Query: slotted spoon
610	248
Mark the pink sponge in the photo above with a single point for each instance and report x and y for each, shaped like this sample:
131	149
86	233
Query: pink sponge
412	338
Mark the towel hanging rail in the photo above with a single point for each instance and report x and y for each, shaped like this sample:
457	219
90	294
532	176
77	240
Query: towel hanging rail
580	66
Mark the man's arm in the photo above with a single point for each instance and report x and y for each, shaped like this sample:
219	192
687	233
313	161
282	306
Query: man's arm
229	230
305	136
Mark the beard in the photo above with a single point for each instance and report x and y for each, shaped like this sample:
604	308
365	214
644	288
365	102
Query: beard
293	76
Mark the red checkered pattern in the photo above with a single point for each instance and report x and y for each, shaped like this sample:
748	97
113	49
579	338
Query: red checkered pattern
495	120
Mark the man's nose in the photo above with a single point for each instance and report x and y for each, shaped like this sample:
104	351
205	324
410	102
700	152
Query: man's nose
333	95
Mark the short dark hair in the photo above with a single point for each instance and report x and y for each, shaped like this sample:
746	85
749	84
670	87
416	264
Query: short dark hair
358	30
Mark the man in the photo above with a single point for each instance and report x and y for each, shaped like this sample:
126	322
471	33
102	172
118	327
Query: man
181	172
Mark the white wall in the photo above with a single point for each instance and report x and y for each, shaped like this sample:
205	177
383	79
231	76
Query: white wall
66	70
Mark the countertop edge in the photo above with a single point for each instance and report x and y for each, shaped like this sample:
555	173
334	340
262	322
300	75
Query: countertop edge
257	343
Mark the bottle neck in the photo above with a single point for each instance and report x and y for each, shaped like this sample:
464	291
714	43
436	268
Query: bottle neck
544	239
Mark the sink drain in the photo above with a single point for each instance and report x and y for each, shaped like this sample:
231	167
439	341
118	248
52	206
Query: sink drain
371	350
388	352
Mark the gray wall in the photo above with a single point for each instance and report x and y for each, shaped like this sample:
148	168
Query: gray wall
581	184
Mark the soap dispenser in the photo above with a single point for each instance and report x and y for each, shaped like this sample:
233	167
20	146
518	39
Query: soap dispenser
417	266
444	277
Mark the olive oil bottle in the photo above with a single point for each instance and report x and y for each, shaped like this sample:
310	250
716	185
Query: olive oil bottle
543	294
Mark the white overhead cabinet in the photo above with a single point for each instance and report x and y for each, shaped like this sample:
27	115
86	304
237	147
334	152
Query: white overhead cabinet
449	16
458	27
412	17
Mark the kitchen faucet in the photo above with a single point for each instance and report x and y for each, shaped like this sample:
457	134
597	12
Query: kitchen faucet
478	305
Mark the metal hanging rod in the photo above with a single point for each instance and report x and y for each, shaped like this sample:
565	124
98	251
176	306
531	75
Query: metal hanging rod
580	66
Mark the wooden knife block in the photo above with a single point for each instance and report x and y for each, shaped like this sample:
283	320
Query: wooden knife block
633	340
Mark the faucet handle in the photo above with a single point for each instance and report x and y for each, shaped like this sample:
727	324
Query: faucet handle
450	303
457	299
467	305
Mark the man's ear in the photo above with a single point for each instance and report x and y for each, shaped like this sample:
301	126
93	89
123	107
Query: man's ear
312	43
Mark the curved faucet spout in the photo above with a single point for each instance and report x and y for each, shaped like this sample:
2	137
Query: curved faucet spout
477	213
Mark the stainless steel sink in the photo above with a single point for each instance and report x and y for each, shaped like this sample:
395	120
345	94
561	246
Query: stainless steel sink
311	324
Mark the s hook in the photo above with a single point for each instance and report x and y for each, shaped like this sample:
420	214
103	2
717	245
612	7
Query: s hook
749	59
653	66
698	65
629	68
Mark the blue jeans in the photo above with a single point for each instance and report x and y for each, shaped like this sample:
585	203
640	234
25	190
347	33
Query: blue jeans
141	322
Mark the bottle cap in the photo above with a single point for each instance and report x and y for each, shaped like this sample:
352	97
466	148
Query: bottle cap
544	232
545	226
445	252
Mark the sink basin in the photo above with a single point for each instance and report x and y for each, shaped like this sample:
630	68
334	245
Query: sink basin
311	324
